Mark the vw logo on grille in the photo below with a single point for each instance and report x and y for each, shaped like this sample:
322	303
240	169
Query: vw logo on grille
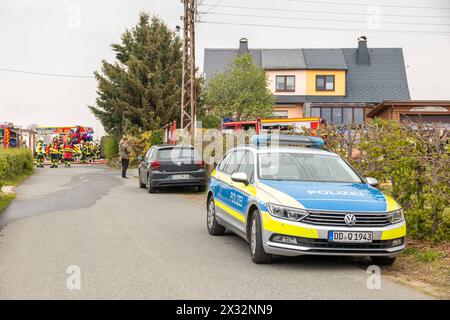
350	219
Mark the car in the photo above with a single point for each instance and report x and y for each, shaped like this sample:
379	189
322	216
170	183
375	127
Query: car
170	166
291	200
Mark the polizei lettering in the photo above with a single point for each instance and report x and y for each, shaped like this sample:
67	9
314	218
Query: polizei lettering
337	193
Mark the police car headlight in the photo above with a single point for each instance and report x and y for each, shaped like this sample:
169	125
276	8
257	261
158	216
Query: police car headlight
395	216
288	213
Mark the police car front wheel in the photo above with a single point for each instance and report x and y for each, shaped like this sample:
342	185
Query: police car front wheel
256	243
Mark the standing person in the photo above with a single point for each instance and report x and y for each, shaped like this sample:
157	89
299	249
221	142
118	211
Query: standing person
40	153
68	153
124	151
54	153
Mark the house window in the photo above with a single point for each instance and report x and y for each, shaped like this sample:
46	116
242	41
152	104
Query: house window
280	114
324	83
339	116
285	83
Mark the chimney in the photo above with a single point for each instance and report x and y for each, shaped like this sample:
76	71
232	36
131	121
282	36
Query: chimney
362	54
243	46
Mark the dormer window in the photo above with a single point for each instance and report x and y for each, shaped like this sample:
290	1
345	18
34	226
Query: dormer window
325	83
285	83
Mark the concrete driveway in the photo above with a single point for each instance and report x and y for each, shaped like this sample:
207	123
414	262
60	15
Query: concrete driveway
128	244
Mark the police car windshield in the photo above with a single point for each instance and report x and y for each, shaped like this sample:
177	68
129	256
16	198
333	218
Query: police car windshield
305	167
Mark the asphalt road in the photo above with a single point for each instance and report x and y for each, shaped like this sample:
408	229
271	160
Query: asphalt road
131	244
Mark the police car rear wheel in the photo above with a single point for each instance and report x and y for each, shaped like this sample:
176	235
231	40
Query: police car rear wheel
383	261
256	244
214	228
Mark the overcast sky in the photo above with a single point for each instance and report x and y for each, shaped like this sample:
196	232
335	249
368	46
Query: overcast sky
71	37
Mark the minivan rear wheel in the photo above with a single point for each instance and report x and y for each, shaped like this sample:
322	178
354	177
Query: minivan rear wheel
141	185
149	186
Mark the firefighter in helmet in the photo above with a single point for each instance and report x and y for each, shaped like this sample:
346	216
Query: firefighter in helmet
40	153
68	153
54	153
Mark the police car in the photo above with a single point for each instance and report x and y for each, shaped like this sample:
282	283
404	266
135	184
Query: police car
290	200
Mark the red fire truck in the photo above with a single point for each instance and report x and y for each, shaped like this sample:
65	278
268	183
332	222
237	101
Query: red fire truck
261	125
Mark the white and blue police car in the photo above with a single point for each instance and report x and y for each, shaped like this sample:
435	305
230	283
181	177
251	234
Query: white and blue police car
289	200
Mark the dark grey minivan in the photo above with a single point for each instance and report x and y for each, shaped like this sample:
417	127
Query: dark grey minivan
171	166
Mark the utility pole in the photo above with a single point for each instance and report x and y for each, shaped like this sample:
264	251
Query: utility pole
188	91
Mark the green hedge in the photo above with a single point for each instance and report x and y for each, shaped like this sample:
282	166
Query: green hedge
14	163
109	146
157	137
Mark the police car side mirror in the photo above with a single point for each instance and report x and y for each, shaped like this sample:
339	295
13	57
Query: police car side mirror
372	182
240	177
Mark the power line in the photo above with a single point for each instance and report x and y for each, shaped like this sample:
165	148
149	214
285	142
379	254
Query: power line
321	28
213	6
316	19
47	74
368	4
327	12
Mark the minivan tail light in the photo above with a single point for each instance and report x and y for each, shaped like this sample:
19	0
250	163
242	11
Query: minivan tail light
201	164
155	164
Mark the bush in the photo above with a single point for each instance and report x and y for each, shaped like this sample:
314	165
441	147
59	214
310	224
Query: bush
109	146
210	122
410	161
157	137
14	163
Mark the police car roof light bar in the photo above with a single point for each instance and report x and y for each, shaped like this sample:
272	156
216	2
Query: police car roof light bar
287	140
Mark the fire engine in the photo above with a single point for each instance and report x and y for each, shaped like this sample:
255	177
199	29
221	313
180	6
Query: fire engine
284	124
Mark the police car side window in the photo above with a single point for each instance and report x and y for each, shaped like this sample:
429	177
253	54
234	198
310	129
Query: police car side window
247	165
234	162
223	163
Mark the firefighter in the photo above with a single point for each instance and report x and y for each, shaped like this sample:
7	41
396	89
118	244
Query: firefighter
97	150
61	149
88	151
83	151
68	153
92	151
40	153
54	153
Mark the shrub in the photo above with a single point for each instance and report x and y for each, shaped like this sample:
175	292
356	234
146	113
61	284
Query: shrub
109	146
157	137
14	163
210	122
410	161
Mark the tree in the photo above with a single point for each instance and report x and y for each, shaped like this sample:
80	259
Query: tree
240	93
141	90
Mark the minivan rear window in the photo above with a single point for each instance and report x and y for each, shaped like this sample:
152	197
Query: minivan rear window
177	154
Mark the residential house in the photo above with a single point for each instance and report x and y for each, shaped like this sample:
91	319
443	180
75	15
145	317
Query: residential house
415	110
340	85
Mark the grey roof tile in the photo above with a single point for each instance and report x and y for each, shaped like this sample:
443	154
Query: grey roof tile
383	79
324	59
283	59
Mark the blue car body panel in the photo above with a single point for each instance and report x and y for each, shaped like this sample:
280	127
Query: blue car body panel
351	197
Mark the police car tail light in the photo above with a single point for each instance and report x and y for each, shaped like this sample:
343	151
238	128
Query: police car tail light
288	213
395	216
